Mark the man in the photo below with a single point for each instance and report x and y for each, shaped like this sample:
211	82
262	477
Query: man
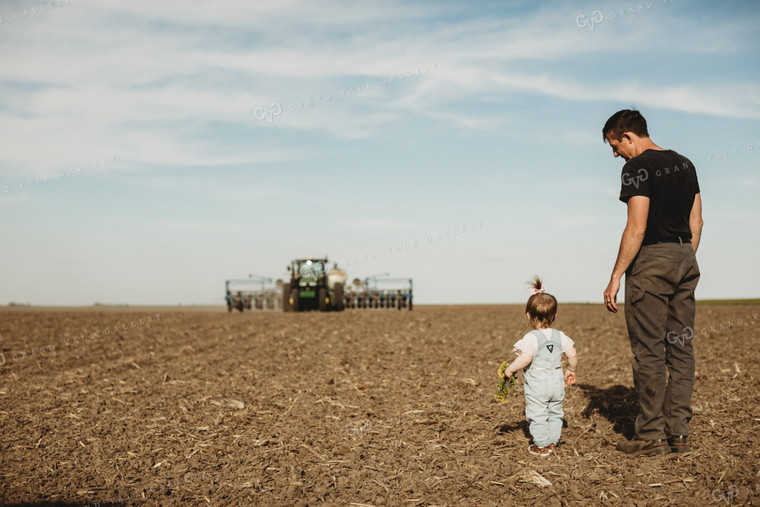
657	255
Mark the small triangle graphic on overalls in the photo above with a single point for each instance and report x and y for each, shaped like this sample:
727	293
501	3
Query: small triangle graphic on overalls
550	347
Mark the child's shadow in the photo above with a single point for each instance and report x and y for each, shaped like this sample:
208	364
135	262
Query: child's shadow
618	404
520	425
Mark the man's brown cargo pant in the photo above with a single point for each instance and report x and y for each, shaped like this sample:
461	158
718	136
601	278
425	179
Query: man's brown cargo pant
659	313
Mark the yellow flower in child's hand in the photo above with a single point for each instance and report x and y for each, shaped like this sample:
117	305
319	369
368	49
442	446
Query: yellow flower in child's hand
506	385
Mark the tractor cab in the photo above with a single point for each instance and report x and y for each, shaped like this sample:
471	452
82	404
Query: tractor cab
311	288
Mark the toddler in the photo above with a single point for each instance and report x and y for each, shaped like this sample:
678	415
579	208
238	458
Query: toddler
540	353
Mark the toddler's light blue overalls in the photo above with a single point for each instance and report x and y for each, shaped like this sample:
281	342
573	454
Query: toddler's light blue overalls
545	390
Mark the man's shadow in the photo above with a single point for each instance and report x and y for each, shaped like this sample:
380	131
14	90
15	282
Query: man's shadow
618	404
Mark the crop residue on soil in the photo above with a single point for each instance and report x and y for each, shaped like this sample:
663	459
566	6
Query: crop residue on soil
358	407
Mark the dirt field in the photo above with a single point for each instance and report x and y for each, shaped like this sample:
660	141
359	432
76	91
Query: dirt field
355	408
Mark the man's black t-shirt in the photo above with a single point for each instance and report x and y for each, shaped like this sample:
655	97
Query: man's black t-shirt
670	182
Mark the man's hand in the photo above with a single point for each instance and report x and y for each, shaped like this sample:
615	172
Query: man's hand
610	295
569	378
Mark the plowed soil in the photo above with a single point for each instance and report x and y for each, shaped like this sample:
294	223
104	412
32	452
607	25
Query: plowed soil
363	407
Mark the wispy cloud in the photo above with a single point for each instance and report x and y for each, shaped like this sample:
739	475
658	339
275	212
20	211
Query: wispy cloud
373	223
194	226
154	106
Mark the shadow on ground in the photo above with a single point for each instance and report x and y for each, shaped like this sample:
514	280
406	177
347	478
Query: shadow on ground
618	404
43	503
519	425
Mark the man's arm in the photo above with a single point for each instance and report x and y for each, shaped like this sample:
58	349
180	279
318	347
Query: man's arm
633	235
695	222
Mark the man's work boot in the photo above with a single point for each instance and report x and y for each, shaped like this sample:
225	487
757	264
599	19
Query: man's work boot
636	448
679	443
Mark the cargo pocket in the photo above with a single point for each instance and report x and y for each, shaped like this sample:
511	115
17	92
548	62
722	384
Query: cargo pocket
635	292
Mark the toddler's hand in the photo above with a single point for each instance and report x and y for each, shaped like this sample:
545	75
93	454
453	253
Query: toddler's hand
569	378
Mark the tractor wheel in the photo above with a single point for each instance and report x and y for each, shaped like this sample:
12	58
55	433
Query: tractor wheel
295	299
338	293
286	299
410	303
323	299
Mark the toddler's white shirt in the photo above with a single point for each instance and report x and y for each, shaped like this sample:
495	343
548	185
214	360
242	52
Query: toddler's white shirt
529	343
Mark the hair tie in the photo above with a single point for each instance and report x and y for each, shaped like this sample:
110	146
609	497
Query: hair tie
534	291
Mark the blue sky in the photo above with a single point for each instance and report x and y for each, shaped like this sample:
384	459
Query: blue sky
151	150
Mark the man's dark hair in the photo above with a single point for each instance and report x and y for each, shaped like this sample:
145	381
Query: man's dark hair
625	120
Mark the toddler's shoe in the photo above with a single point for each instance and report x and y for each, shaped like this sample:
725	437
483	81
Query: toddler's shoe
539	451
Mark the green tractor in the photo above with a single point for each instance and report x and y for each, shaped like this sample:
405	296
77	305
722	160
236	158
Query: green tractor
313	287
